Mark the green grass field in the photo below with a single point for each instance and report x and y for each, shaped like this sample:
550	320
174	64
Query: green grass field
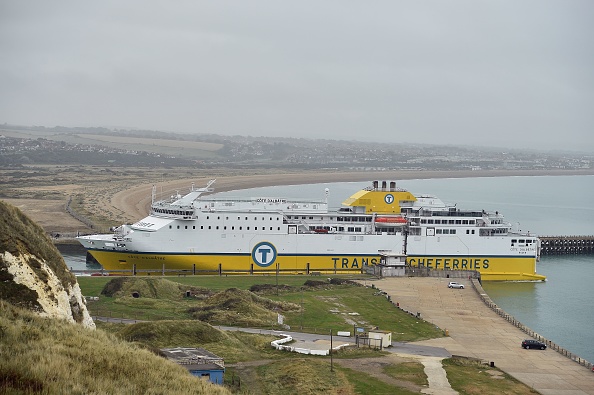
323	308
254	367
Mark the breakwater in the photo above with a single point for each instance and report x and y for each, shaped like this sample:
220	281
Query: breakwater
566	245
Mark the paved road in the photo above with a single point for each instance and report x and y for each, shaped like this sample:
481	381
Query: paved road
476	331
316	341
322	342
429	356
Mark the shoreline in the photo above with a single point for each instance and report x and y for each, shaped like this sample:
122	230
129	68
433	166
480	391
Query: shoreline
123	201
266	180
136	201
478	328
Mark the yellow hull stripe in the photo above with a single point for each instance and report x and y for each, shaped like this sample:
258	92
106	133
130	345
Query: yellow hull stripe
117	260
491	268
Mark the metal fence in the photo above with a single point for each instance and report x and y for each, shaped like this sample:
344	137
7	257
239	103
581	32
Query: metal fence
487	300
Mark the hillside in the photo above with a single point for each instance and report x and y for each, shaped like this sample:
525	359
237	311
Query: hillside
47	339
33	274
49	356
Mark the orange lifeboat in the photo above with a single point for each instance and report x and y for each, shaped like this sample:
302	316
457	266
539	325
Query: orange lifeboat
391	220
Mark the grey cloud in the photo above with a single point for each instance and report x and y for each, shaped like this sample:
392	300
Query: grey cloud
503	73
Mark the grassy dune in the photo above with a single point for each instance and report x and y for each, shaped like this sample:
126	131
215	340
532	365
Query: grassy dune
233	346
53	357
308	305
304	376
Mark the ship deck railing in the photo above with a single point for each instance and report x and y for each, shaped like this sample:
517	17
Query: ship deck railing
273	200
217	272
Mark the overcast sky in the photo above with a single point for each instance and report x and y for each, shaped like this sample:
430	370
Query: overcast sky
505	73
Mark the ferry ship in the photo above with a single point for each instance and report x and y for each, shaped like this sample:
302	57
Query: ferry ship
203	233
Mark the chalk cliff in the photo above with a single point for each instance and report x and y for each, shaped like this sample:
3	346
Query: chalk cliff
33	274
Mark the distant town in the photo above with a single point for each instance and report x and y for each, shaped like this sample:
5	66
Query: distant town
21	146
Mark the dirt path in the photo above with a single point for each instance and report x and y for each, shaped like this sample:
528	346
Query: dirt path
247	374
375	368
437	377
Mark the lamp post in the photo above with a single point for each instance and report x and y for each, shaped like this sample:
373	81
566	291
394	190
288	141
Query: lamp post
277	268
331	360
302	309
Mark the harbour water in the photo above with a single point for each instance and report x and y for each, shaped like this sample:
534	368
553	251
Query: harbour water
559	309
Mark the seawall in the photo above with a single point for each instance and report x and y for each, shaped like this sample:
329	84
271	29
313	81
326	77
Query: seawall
477	330
566	245
511	319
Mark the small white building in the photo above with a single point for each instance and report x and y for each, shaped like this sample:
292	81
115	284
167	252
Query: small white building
379	338
391	265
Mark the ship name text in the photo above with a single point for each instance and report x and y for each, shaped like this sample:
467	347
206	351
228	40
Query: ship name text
151	257
450	263
350	263
271	200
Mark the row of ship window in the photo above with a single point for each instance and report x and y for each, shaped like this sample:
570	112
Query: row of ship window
448	221
453	212
521	241
246	218
445	231
224	227
338	228
452	231
492	232
343	219
339	219
414	231
175	212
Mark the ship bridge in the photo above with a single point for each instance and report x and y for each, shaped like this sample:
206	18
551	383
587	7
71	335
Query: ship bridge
380	200
178	206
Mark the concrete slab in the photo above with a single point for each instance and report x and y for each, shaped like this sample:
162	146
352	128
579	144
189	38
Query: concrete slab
477	331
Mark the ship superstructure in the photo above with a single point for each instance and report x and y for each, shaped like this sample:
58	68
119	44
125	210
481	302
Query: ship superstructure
203	232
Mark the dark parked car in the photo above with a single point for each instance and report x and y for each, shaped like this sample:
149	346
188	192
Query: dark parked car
529	343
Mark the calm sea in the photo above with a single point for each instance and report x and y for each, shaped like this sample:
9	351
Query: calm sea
559	309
